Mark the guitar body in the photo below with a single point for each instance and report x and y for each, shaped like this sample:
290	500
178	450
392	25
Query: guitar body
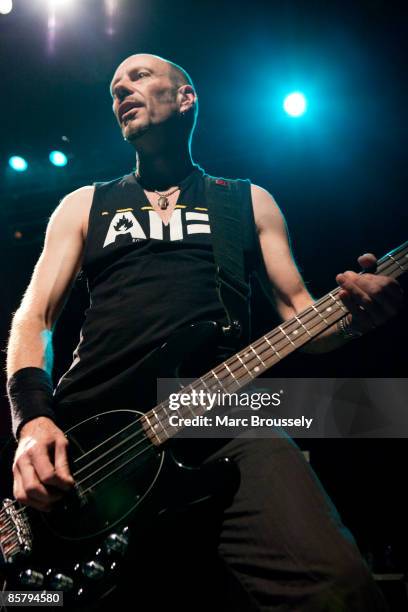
123	482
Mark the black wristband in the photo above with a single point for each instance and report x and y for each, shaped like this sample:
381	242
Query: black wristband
30	393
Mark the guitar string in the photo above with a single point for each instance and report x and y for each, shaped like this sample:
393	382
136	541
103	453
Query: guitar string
317	317
227	376
197	383
233	361
156	410
148	446
260	341
168	429
281	347
145	438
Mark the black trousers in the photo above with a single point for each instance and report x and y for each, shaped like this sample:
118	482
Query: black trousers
277	545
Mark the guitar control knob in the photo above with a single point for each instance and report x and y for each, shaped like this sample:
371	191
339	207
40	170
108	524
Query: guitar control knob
116	543
31	578
61	582
93	570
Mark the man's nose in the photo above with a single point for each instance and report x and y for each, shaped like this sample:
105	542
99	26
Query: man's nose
122	90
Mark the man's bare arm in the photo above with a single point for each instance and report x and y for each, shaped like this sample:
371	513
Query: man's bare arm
52	278
371	299
41	457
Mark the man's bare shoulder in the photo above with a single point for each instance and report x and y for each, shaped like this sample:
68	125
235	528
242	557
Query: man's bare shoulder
77	205
266	210
78	198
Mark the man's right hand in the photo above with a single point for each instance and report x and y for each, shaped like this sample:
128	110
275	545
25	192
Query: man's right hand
41	470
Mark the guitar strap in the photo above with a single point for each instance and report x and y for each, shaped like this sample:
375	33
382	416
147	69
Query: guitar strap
237	252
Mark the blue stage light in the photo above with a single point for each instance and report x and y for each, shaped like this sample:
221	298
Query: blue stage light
18	163
295	104
58	158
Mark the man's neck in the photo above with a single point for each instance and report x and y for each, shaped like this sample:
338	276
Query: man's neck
163	170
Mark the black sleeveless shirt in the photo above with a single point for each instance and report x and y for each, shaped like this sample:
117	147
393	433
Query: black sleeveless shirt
145	281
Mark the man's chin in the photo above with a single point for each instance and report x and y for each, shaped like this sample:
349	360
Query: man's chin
131	133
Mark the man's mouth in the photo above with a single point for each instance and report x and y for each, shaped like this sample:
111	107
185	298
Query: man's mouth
127	110
126	117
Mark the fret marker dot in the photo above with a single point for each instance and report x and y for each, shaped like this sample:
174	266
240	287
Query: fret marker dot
256	369
295	332
329	309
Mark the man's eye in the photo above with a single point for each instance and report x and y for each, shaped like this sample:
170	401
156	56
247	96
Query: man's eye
142	74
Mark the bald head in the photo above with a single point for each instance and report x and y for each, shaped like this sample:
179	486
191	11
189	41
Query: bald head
176	73
160	86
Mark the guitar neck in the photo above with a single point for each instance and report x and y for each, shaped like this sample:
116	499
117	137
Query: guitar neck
262	354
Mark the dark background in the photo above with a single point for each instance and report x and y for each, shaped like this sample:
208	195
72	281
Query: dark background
338	172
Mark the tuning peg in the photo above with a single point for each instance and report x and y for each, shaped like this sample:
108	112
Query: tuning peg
30	577
93	570
116	543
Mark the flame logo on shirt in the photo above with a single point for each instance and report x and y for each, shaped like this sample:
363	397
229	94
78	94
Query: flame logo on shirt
123	225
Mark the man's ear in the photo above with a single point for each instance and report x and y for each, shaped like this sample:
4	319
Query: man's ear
187	98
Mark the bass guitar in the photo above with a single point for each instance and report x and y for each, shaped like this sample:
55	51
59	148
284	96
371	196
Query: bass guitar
125	471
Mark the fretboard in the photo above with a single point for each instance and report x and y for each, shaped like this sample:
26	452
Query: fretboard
262	354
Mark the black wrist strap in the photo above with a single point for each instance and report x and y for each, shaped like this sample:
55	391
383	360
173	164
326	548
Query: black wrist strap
30	393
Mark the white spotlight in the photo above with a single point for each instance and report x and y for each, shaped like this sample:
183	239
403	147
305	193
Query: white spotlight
6	6
111	6
295	104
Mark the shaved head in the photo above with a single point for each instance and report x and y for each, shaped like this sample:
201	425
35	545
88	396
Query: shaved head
160	88
176	73
178	76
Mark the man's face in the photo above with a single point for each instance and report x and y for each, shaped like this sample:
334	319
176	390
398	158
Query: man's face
143	94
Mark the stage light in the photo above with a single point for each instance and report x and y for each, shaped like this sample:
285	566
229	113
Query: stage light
57	3
58	158
295	104
111	6
18	163
6	6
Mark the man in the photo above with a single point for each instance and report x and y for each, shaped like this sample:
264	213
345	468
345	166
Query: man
149	274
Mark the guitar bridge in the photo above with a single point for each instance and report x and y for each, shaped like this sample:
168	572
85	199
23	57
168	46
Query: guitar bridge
15	532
